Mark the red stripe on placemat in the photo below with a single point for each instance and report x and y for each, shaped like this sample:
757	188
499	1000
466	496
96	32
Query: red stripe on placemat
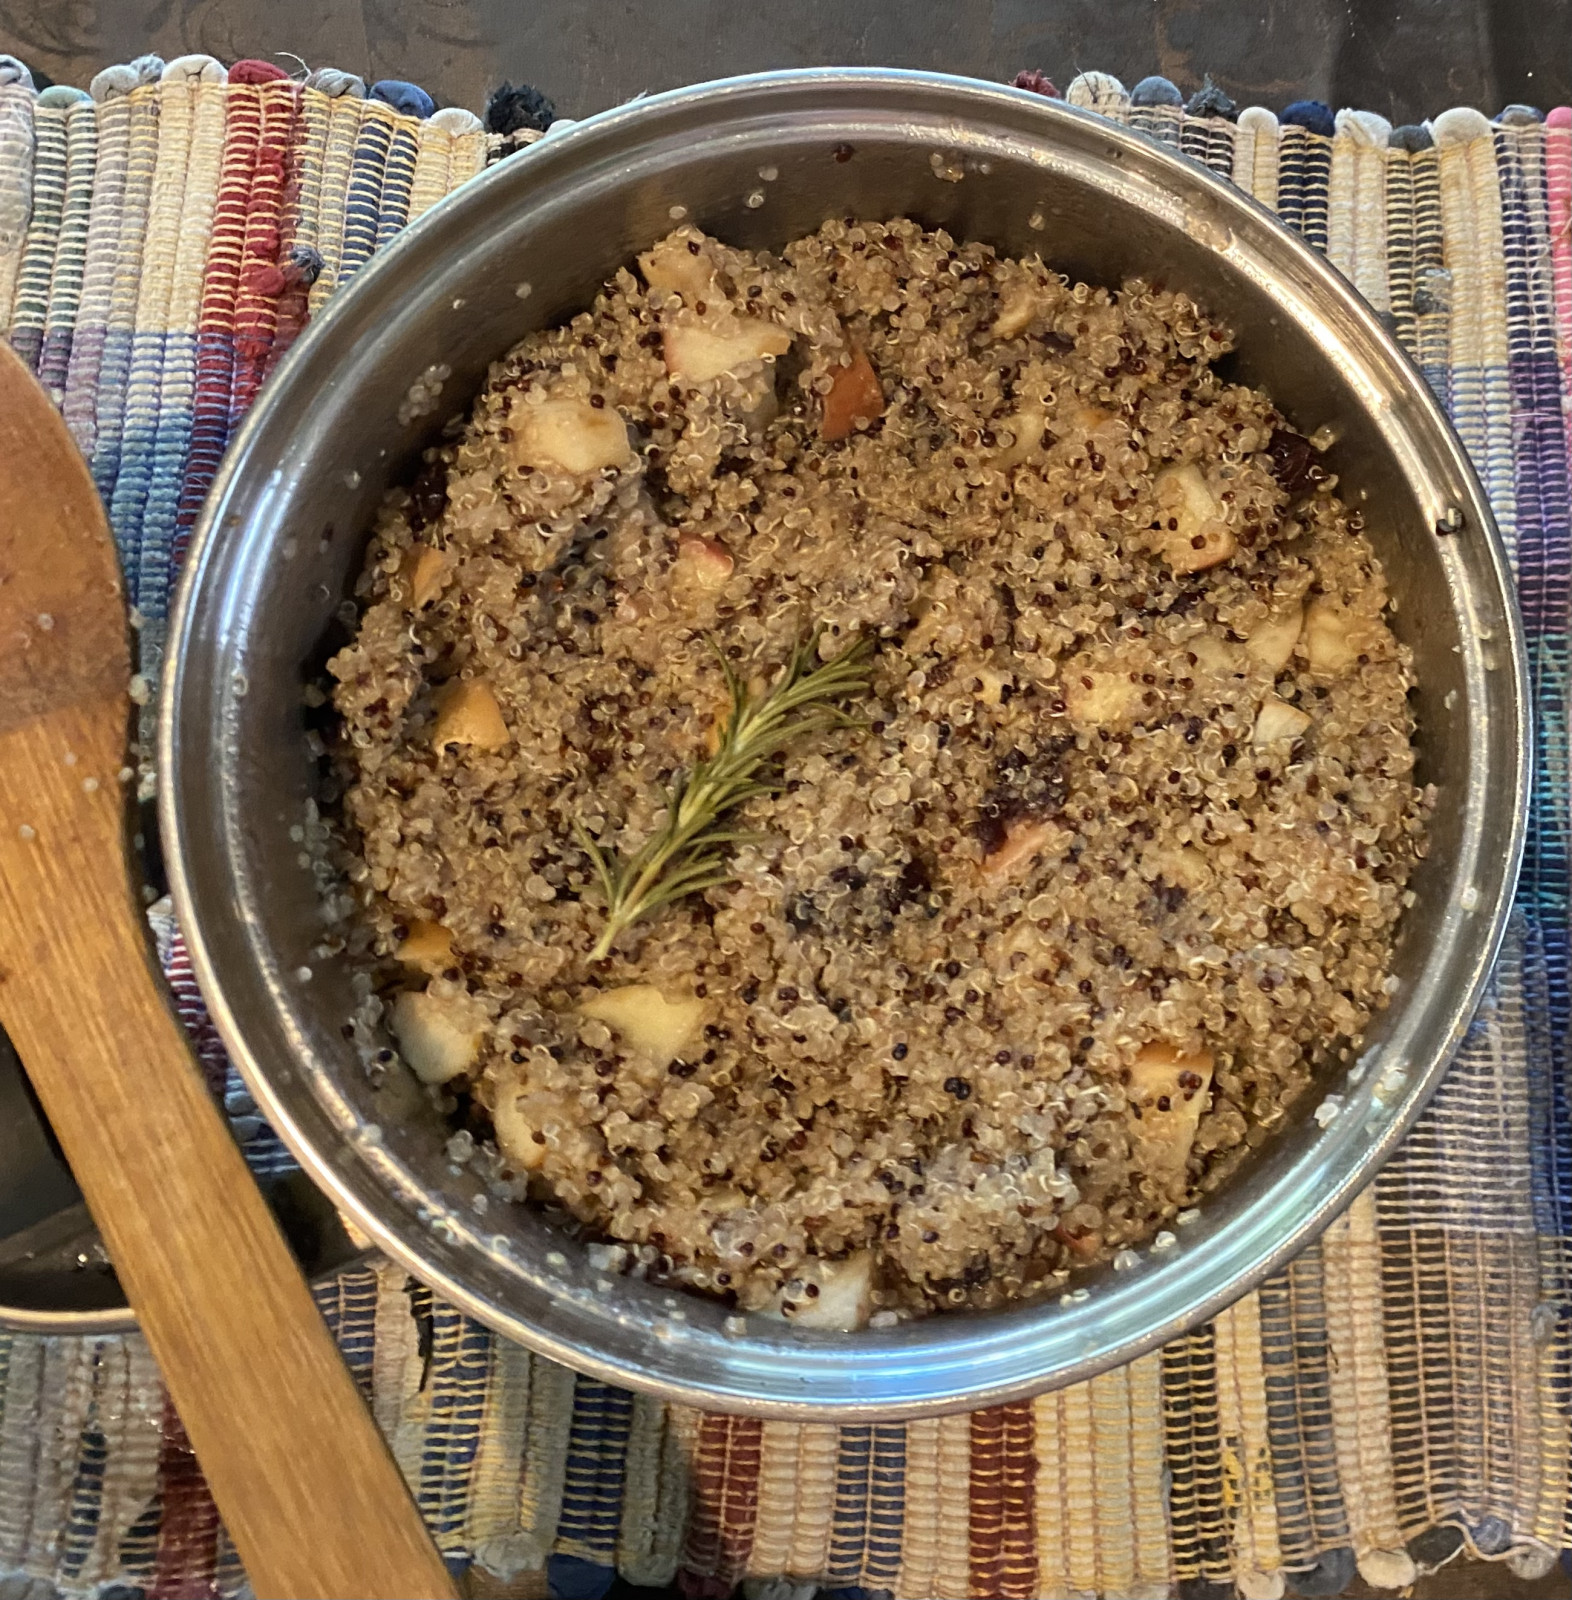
740	1508
987	1500
262	281
725	1485
1018	1537
1003	1506
187	1561
215	363
194	1018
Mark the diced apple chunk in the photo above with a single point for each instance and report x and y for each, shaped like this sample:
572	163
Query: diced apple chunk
1020	303
428	946
660	1028
468	713
1335	637
422	571
1170	1091
994	683
1181	865
1272	644
570	434
523	1124
1089	418
1097	698
673	266
844	1296
438	1037
1200	537
701	351
1025	428
1215	654
855	396
1024	840
704	562
1278	720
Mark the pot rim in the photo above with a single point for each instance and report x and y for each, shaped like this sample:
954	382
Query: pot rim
946	1373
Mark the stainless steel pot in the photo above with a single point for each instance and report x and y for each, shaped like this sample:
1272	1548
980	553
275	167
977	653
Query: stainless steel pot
529	242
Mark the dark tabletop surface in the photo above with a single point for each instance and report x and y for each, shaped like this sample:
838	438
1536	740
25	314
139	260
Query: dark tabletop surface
1406	59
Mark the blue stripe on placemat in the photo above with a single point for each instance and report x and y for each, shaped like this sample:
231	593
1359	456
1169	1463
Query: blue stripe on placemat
456	1383
849	1530
1544	572
363	204
592	1485
886	1503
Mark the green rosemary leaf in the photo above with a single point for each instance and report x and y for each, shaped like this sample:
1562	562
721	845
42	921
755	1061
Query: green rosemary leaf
685	853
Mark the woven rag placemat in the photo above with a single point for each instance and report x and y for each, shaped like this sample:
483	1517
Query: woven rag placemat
1400	1391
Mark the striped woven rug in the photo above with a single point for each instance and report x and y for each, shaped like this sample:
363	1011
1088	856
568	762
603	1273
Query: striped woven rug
1398	1393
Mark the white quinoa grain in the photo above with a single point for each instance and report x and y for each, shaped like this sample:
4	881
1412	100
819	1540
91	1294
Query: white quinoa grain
1043	841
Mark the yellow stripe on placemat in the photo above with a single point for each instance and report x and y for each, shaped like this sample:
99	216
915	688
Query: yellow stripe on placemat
1361	1412
491	1518
936	1517
451	149
1475	256
1149	1475
1113	1493
920	1513
1267	155
338	156
1248	1490
1048	1494
469	155
818	1449
655	1497
165	209
1078	1513
303	216
204	162
397	1370
953	1575
21	1361
1367	134
16	186
1339	205
1100	92
1552	1520
546	1452
433	153
1101	1501
772	1532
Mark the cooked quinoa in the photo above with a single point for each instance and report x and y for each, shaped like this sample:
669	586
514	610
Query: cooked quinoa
1011	966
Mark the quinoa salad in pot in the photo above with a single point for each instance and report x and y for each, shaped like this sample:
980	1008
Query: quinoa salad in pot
869	778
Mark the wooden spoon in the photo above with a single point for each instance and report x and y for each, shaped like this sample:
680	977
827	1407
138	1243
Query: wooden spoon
303	1479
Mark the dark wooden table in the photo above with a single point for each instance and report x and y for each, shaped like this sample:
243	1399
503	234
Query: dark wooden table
1404	58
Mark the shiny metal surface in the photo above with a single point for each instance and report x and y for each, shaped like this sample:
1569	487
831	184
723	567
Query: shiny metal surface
280	542
54	1274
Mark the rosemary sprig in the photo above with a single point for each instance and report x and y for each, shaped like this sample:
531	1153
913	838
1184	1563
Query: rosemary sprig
687	853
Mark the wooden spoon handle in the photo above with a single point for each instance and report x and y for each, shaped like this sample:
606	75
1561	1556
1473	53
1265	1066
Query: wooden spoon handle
305	1482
